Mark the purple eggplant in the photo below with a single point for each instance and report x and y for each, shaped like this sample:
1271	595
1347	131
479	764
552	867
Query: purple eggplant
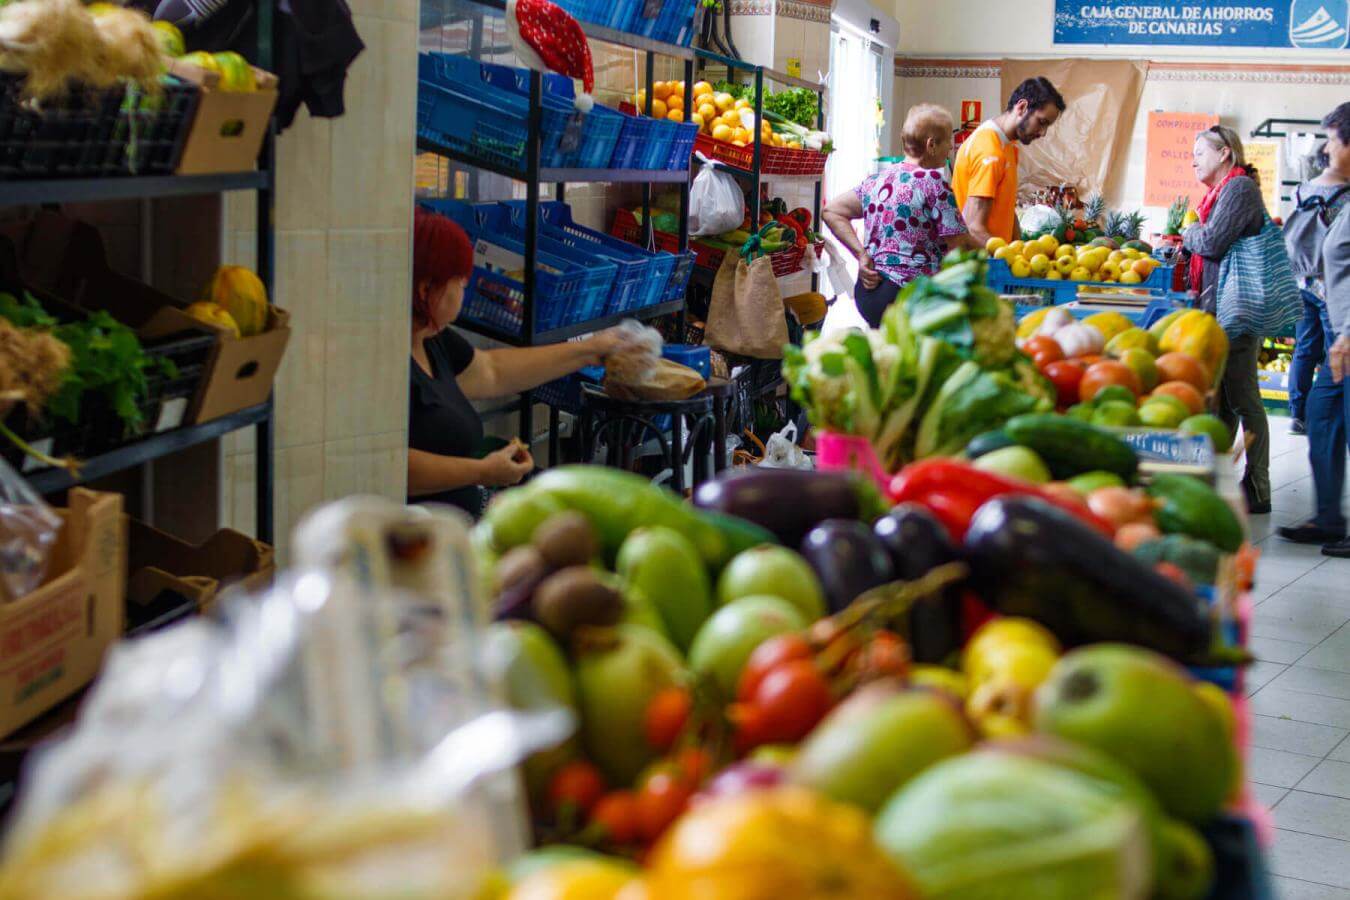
918	543
848	559
790	502
1030	559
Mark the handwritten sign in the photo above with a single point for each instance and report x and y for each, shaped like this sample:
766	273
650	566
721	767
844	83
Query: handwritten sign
1264	157
1167	169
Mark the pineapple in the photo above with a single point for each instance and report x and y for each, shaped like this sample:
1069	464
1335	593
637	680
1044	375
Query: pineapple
1121	227
1176	214
1093	209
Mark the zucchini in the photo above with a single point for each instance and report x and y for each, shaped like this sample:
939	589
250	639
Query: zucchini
1198	559
1071	447
1189	506
988	443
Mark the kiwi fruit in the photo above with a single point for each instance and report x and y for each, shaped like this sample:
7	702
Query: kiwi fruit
519	572
574	597
566	539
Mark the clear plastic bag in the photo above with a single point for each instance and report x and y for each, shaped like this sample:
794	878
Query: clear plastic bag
782	452
716	203
639	354
333	738
1039	219
28	532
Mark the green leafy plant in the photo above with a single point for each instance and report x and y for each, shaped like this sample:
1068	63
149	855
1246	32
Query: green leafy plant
794	104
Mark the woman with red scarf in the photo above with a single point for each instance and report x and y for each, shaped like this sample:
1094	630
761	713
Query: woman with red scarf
1232	209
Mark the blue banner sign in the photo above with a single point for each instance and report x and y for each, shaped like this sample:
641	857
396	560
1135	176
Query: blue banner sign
1305	24
1171	447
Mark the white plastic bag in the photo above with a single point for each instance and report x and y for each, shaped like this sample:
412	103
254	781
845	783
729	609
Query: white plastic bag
28	531
716	203
1039	219
831	264
781	451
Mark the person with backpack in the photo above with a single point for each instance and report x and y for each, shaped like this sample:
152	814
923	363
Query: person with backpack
1316	204
1328	401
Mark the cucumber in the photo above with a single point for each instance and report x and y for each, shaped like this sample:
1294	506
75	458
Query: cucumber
988	443
1189	506
1071	447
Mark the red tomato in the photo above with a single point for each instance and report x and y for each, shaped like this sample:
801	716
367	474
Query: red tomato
1043	350
578	784
617	813
768	656
749	723
695	763
884	655
794	698
659	803
1104	373
1091	359
666	717
1065	375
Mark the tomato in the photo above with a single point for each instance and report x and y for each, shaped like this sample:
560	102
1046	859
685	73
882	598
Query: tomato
794	698
1043	350
1174	572
767	656
886	654
1091	359
617	813
695	763
578	784
748	721
666	716
1065	374
1104	373
663	797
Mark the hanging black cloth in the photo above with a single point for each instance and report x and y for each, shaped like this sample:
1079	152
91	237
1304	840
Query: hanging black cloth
316	43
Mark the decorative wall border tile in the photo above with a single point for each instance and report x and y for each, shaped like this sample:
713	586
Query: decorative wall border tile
806	10
1257	73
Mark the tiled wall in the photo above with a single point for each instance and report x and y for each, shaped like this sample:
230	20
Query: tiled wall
343	218
771	32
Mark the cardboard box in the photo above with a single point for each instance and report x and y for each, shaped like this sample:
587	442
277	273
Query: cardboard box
228	128
52	641
66	257
168	573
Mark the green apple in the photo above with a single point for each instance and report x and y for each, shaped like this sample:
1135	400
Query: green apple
1214	427
724	643
776	572
1015	462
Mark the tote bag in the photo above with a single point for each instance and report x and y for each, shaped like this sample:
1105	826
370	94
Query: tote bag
746	315
1257	292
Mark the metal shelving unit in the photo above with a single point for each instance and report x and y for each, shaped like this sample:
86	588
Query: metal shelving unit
97	190
1267	130
532	175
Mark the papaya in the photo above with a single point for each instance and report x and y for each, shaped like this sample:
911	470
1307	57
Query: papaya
203	60
236	75
1109	324
242	295
1198	334
809	308
170	38
211	314
1159	328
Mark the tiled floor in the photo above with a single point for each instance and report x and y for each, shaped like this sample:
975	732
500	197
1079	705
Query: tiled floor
1300	691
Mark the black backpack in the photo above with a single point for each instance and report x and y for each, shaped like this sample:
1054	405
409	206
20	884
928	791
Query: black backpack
1306	228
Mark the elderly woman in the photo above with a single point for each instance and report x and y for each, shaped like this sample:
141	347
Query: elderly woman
447	373
1232	209
909	214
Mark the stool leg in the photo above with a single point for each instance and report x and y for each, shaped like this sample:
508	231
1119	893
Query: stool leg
702	447
554	424
677	452
720	433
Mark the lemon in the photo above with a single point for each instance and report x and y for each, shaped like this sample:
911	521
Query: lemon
702	88
1040	264
1016	248
697	120
707	111
1004	253
724	102
659	109
742	104
1021	268
203	60
721	132
236	75
992	245
675	115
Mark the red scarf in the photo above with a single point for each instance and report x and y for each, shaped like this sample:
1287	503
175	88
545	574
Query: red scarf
1203	210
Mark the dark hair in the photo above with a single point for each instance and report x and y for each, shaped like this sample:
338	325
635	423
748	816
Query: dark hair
1338	120
1037	92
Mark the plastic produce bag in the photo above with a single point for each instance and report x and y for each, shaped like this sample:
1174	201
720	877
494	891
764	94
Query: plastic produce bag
333	738
1039	219
28	531
781	451
831	265
716	203
640	355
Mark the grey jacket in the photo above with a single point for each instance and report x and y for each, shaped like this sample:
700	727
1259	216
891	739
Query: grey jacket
1336	270
1238	213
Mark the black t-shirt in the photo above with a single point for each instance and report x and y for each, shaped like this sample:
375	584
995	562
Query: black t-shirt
441	419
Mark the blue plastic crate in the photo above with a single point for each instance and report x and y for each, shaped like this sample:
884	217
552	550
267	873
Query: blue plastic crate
682	146
571	288
600	126
673	22
612	13
634	136
679	277
493	128
695	356
655	155
1001	280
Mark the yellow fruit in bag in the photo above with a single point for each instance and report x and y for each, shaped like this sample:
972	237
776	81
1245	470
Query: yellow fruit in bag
210	313
239	292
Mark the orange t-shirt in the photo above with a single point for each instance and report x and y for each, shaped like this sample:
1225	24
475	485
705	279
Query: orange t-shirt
986	166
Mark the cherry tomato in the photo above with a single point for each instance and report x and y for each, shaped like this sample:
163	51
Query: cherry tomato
617	813
749	723
884	655
666	717
1043	350
662	799
695	763
794	698
578	784
1066	375
768	656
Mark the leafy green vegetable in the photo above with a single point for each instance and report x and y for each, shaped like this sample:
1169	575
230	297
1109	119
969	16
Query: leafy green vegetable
795	104
955	306
106	358
1030	381
970	402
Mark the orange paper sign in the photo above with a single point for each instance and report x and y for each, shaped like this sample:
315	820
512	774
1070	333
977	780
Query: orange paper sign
1167	172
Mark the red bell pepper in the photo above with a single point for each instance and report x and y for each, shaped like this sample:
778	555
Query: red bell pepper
954	490
795	227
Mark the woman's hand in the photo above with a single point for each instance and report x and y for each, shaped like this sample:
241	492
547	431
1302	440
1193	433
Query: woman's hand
507	466
607	343
867	272
1339	357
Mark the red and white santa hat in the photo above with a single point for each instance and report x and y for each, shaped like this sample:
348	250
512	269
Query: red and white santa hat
547	38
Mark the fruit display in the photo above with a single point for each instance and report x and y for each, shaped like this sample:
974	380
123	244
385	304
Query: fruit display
235	300
1104	259
726	116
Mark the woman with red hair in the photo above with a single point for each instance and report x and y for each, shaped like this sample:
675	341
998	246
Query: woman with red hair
447	373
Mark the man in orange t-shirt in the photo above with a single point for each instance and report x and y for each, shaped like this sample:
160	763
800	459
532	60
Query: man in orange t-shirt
984	177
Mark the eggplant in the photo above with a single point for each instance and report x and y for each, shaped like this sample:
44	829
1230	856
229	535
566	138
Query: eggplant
848	559
790	502
918	543
1030	559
